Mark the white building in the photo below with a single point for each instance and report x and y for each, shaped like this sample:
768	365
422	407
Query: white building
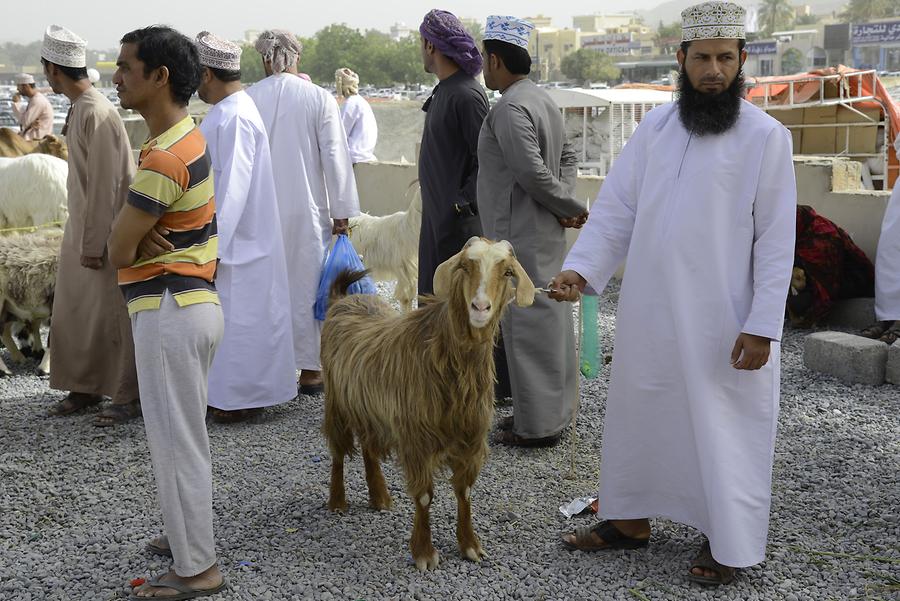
399	31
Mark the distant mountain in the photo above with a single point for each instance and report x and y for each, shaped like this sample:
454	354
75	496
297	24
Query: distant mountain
670	12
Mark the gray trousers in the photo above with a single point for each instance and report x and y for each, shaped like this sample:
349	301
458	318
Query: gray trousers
173	350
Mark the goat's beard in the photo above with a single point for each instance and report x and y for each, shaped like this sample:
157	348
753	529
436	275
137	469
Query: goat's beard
703	113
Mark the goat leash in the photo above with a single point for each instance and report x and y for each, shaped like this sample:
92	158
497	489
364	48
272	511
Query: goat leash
579	338
31	228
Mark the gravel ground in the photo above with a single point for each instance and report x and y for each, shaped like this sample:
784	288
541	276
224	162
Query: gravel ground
77	504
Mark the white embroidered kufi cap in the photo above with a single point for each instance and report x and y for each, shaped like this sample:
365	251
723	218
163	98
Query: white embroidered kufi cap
508	29
218	53
24	78
64	48
713	20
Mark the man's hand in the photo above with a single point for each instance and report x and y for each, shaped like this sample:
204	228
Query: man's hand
750	352
574	222
567	286
154	243
16	98
92	262
341	226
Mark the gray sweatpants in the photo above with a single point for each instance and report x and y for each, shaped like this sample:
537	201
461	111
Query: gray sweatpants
173	350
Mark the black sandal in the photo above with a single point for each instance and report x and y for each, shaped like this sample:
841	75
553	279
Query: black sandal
612	538
116	414
73	403
705	561
891	334
221	416
876	330
511	439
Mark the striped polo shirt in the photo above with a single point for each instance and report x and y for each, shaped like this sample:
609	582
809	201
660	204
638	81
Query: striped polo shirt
174	183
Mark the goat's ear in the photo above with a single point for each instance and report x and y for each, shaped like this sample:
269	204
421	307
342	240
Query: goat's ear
443	274
524	286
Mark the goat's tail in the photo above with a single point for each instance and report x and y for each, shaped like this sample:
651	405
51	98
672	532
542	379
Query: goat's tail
343	281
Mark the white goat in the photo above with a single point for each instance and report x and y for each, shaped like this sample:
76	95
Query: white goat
28	265
389	247
32	190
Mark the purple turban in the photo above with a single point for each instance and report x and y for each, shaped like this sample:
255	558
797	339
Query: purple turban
448	35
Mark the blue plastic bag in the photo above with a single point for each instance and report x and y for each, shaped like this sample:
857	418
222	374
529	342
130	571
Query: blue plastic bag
342	257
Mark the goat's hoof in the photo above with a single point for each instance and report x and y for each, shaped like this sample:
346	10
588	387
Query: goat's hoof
383	505
5	374
426	563
337	507
475	553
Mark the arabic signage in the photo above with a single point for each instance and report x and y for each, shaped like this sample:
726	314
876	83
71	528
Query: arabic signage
762	48
616	44
875	33
606	38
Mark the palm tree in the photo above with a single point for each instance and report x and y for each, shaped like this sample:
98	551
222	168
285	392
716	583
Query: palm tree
860	11
776	14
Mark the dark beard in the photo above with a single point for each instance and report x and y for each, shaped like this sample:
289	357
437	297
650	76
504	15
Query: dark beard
702	113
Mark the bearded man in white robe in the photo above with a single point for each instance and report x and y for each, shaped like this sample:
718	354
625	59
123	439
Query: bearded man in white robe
314	183
887	272
701	207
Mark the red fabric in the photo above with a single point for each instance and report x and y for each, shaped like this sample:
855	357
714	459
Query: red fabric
835	267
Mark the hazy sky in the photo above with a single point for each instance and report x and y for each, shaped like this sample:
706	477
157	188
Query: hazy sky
102	22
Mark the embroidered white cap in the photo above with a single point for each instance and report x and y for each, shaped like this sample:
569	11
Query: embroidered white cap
62	47
218	53
713	20
508	29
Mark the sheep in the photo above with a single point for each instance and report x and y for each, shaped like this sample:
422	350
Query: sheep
28	266
389	247
420	385
14	145
32	191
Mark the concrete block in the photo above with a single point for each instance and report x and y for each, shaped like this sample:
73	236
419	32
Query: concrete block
856	313
850	358
892	373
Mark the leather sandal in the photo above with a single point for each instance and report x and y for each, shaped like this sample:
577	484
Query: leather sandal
875	330
705	561
891	334
612	538
73	403
511	439
115	414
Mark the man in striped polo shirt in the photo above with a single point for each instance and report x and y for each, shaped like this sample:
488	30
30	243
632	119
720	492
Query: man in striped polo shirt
175	314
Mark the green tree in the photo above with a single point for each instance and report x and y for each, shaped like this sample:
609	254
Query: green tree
379	60
336	46
475	30
860	11
18	56
406	62
792	61
251	65
775	15
588	65
668	37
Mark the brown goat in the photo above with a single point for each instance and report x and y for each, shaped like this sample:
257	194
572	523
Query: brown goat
420	385
14	145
